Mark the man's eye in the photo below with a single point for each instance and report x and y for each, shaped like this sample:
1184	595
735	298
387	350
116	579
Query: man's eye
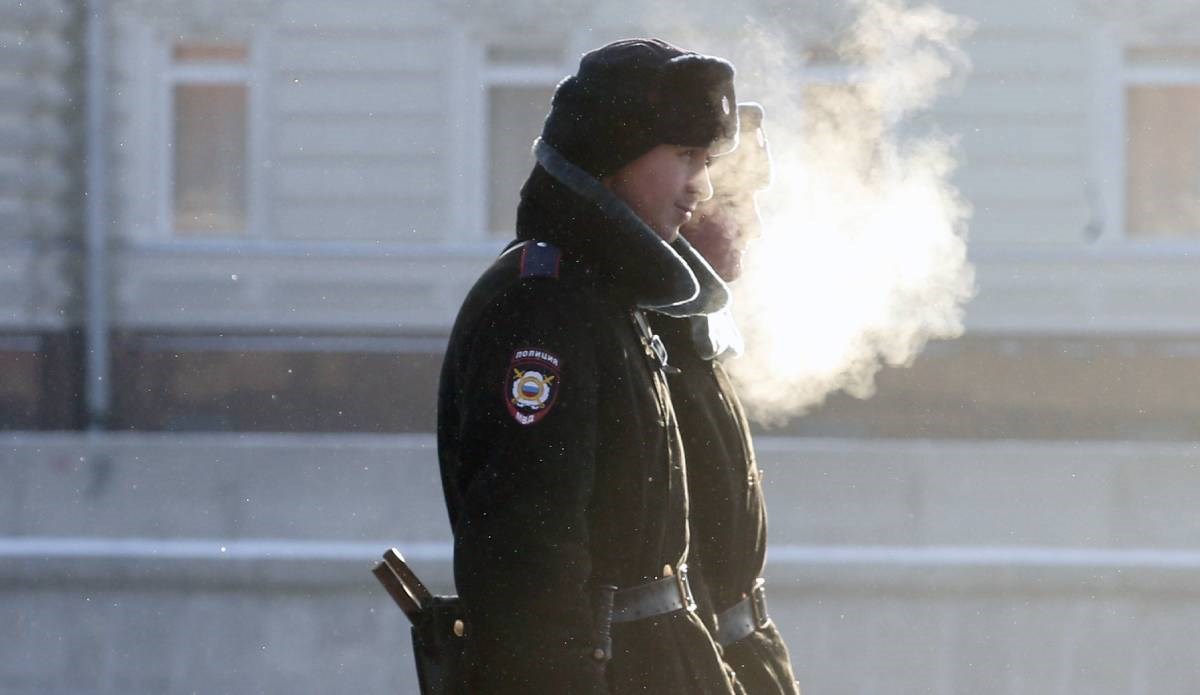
696	154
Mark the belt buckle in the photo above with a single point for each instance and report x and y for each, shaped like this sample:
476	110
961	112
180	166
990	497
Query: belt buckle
659	350
758	603
685	588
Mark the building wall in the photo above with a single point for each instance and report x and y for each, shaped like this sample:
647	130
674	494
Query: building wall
37	55
349	140
371	154
1042	170
1011	514
40	271
239	563
367	151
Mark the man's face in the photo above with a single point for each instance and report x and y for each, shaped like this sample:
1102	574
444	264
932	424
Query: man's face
664	186
721	231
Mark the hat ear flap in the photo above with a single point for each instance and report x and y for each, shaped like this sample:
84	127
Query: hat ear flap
757	152
750	114
568	93
748	168
569	97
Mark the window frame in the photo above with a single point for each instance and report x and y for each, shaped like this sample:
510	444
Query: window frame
501	76
1113	75
250	74
468	165
147	168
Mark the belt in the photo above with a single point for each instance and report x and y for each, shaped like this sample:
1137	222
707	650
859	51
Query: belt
661	596
745	617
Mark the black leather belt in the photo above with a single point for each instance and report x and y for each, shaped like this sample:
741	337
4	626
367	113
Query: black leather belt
661	596
745	617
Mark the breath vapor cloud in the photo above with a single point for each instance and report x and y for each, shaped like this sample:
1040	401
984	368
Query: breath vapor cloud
864	257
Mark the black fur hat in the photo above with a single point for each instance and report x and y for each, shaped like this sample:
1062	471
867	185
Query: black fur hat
632	95
748	168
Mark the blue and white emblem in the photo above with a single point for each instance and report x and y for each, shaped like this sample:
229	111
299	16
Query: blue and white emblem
532	384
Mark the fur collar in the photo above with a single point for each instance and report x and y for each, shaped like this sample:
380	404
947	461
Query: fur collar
566	206
716	335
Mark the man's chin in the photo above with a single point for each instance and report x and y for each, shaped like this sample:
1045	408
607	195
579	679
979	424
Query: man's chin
669	234
731	270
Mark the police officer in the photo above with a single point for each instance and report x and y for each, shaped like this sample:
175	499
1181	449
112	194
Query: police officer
560	453
728	515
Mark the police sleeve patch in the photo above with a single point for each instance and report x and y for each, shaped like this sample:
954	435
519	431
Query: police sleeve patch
531	385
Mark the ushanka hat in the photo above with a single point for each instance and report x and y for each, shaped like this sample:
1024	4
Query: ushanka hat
633	95
748	168
745	169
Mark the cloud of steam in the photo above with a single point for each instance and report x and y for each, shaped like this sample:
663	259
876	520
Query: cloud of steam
864	257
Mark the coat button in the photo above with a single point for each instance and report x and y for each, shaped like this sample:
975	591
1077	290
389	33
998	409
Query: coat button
598	654
459	628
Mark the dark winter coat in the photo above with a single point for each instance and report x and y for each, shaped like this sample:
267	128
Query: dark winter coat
560	455
729	521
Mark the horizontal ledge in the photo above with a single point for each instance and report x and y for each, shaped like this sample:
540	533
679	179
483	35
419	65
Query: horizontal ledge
20	343
290	75
43	547
101	443
408	30
1107	252
884	450
216	549
274	565
294	344
319	250
208	564
1108	327
1115	251
984	557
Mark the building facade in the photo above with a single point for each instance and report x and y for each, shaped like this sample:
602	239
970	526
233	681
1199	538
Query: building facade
234	235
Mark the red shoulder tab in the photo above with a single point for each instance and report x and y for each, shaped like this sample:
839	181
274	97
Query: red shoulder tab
540	260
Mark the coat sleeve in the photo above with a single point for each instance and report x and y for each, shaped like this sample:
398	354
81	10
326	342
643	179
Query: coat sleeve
528	385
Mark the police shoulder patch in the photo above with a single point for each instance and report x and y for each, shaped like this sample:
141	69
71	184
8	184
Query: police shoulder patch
531	385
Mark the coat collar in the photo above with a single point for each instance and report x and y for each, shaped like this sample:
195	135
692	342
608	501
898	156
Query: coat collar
716	335
566	206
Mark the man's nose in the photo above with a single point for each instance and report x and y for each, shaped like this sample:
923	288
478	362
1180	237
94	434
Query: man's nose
750	225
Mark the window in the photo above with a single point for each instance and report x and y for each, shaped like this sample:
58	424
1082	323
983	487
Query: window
208	139
841	121
1162	147
518	85
841	118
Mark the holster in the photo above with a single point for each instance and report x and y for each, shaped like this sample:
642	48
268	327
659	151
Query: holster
439	623
438	626
438	647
